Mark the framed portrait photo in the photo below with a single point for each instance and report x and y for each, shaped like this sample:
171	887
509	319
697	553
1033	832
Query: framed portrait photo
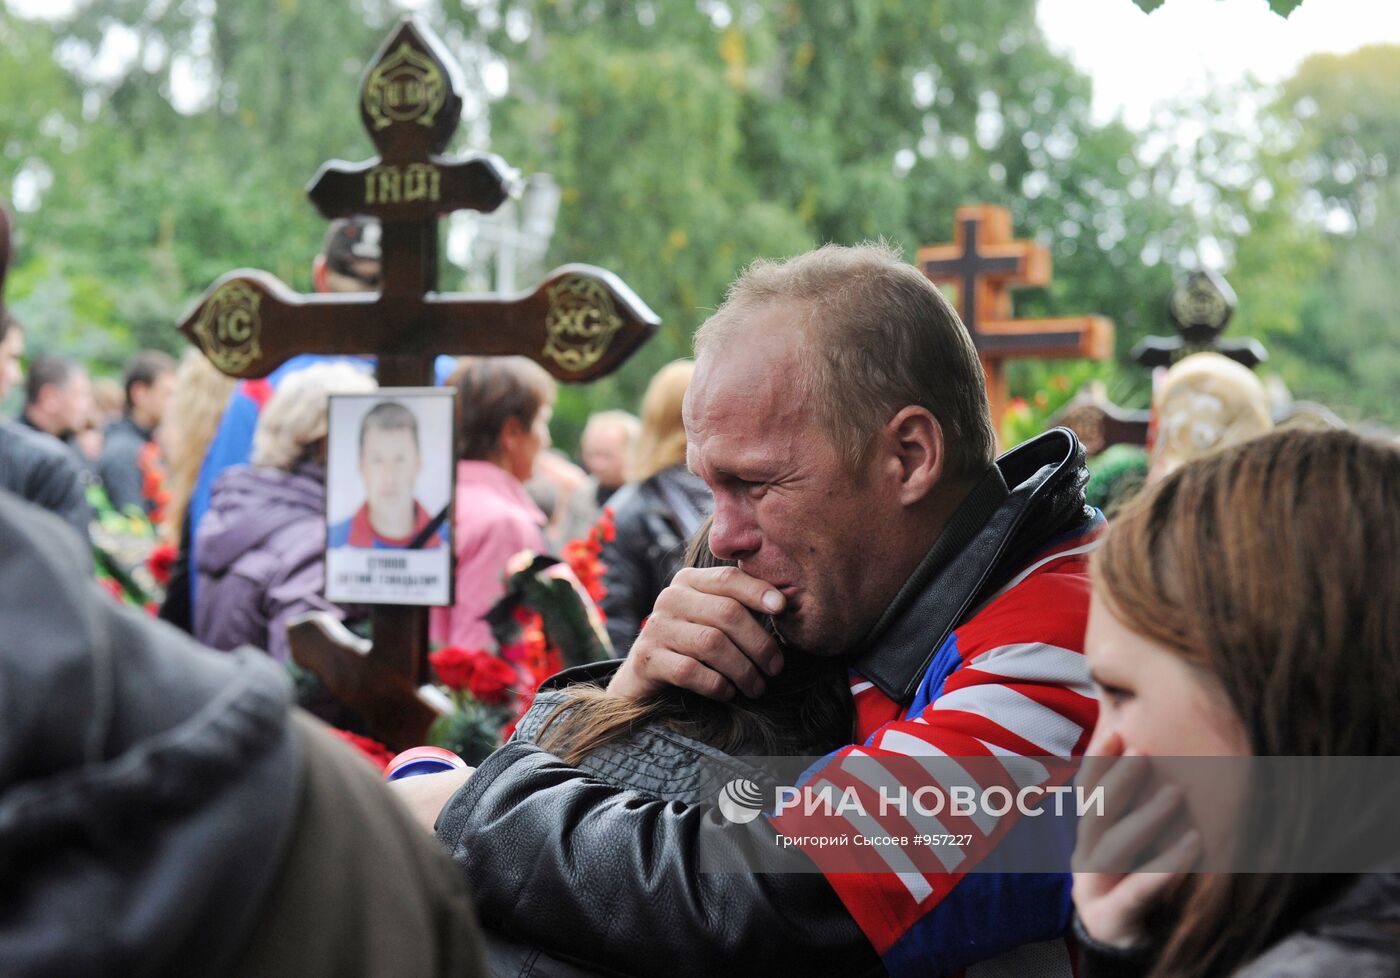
389	484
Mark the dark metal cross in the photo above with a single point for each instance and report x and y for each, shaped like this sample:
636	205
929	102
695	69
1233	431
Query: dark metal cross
1200	308
581	323
983	262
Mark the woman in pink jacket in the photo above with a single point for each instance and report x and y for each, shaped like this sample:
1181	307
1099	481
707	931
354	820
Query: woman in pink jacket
503	409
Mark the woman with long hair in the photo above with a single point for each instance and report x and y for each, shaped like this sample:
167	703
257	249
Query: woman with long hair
196	407
655	513
1246	606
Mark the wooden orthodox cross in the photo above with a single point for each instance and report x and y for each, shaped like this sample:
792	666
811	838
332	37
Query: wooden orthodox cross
984	263
581	323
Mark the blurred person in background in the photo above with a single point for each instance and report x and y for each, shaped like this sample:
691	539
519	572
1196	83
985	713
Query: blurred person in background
607	438
504	405
261	547
11	353
148	382
57	398
34	466
108	400
660	508
196	404
556	483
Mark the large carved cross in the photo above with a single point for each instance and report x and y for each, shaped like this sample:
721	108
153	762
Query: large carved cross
983	262
581	323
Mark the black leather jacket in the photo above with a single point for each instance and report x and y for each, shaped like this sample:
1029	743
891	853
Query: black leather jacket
648	548
565	859
656	762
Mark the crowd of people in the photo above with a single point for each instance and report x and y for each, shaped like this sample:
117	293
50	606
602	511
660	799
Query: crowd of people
816	551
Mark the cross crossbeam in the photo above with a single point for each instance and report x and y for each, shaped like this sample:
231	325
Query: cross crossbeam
984	262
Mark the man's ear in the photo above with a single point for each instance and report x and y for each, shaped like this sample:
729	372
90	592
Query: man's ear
916	443
319	270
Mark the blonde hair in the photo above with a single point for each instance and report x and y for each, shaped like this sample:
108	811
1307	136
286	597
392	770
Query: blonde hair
295	416
196	407
661	442
108	397
877	336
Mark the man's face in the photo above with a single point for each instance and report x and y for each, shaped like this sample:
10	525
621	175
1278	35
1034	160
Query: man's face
150	400
604	450
364	277
11	349
389	465
786	506
75	406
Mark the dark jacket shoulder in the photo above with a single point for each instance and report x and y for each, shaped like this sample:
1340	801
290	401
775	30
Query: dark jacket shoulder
120	466
42	470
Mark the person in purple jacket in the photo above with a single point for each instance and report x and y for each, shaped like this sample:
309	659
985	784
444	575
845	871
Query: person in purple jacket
261	546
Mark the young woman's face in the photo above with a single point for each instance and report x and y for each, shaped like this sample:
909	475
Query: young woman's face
1152	699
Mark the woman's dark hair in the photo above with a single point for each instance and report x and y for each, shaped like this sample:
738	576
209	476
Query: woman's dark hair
1274	567
491	391
807	708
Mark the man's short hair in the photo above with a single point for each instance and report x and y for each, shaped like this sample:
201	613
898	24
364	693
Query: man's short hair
491	391
350	240
144	368
878	336
624	421
7	323
389	416
45	371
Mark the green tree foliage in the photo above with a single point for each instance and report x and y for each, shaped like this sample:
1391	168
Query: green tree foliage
690	136
1345	118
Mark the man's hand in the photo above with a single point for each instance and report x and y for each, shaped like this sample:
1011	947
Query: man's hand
703	636
427	794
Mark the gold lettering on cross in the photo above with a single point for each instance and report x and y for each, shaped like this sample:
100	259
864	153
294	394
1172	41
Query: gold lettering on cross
391	184
383	185
422	181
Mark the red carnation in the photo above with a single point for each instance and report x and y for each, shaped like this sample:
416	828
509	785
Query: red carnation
453	666
607	528
160	561
491	678
373	750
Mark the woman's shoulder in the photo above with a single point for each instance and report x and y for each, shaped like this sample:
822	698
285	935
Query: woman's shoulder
1306	955
1357	935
